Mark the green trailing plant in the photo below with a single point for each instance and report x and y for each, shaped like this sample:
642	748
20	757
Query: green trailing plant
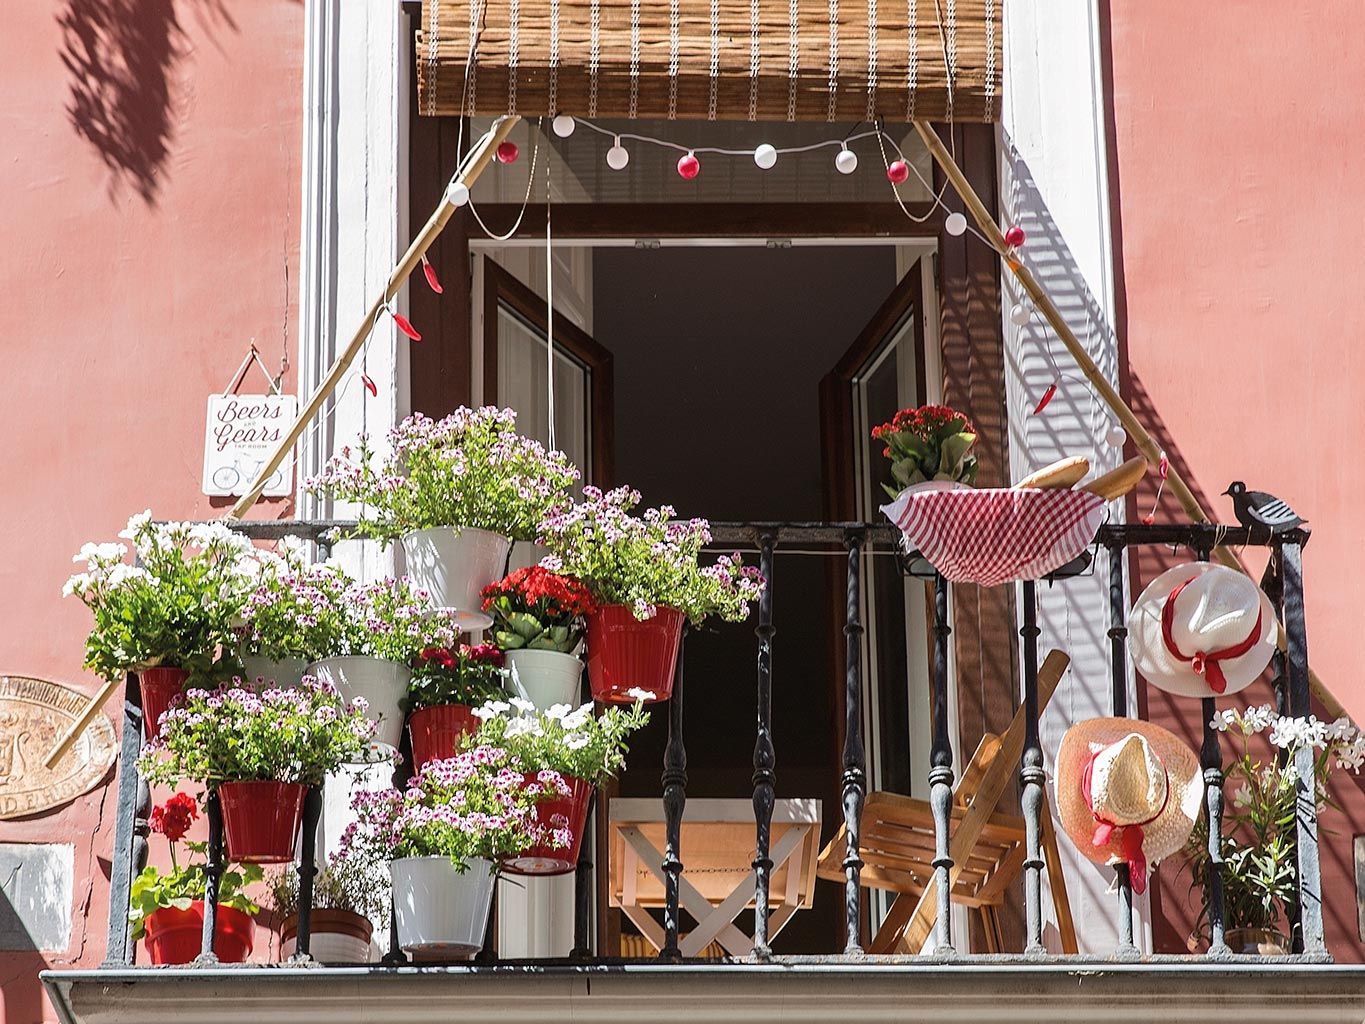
537	610
931	442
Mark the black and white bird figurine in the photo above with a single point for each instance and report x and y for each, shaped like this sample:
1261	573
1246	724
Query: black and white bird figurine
1257	508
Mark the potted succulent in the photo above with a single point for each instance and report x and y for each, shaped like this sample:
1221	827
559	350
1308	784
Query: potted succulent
270	646
646	577
166	617
539	618
929	447
260	752
456	492
1260	871
447	685
167	907
442	839
560	743
347	895
361	637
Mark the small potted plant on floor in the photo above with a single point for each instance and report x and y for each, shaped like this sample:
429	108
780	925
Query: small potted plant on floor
260	752
167	907
646	576
447	685
362	637
271	648
539	618
456	492
572	745
929	447
166	617
348	894
1260	870
442	839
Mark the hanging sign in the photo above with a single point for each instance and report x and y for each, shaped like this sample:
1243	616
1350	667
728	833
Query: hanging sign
241	433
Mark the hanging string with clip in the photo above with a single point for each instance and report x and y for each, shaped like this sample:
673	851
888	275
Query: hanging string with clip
253	355
549	310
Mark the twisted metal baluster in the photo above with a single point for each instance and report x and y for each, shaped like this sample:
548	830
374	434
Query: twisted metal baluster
1118	682
1211	758
765	754
312	815
941	773
583	888
1031	778
213	873
675	798
854	779
130	829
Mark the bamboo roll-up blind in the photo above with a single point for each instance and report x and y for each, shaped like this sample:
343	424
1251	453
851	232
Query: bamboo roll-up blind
757	60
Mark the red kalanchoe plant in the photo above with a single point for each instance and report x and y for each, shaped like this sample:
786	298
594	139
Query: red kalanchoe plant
931	442
174	818
539	610
442	676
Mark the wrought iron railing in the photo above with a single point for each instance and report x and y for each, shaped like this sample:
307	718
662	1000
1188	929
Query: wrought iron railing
1283	584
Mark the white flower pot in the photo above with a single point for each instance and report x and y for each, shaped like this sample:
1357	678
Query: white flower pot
440	909
382	683
545	678
455	564
338	937
284	673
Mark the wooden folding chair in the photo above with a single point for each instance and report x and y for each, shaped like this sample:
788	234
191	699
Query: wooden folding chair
896	844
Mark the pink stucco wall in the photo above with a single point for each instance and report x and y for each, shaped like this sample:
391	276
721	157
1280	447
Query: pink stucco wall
150	175
1236	172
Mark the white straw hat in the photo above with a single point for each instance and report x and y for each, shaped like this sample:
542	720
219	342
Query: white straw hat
1127	791
1201	630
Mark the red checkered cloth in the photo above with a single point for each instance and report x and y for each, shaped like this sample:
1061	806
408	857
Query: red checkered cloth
995	535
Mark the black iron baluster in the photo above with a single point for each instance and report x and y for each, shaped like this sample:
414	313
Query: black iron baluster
130	829
488	954
1118	683
765	755
675	798
941	772
213	872
1272	583
1211	758
583	888
1301	705
854	778
312	814
1031	778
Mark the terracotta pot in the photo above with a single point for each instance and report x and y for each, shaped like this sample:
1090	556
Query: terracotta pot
625	653
571	810
545	678
176	936
336	936
261	820
1257	941
159	686
436	732
382	683
454	565
439	909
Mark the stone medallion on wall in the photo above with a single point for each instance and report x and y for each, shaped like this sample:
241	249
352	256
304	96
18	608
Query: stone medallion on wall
34	714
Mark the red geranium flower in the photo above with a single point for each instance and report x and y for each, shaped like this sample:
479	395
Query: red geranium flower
173	818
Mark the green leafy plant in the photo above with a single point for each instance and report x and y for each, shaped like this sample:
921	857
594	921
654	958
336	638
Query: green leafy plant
175	608
464	675
343	883
648	560
471	469
561	739
1260	872
537	610
931	442
154	890
235	734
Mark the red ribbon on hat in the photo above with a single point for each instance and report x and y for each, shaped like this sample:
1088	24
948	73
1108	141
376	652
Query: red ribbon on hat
1204	663
1130	836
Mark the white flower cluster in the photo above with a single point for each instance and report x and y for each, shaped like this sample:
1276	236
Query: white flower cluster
1339	738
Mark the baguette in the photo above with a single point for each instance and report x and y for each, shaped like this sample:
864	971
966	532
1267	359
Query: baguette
1063	473
1118	482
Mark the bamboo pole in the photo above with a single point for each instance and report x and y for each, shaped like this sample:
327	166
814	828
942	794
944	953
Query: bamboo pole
474	164
1151	451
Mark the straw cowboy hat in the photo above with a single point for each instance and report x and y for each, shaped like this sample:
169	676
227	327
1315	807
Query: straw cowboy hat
1201	630
1127	792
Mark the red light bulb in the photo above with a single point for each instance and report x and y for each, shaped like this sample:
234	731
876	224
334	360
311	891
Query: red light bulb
507	152
1015	236
897	172
689	166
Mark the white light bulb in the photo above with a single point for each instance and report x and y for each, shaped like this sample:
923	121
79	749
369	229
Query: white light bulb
1116	437
847	161
457	194
562	125
765	156
617	157
1020	314
955	224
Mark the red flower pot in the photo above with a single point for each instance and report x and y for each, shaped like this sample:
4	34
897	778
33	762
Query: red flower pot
261	820
568	811
625	653
159	686
436	732
176	936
